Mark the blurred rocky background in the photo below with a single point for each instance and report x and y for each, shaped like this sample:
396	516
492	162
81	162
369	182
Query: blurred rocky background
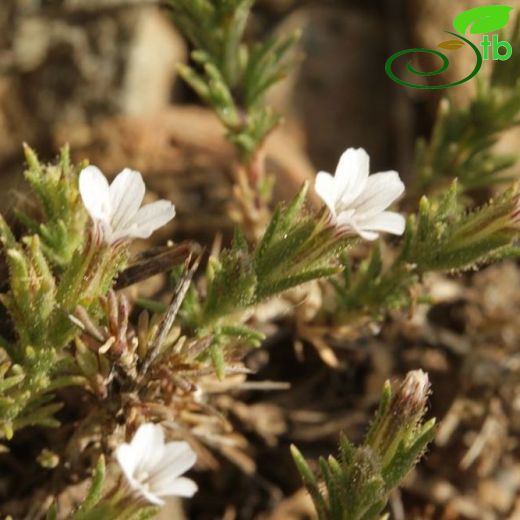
101	75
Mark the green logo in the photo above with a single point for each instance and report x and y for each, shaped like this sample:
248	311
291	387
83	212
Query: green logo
479	20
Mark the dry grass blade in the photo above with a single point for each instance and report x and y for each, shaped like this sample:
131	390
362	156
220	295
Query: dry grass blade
171	313
162	260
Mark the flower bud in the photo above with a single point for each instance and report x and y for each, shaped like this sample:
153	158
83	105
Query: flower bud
399	415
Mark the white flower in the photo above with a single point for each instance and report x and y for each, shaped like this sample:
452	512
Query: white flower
154	468
358	201
116	208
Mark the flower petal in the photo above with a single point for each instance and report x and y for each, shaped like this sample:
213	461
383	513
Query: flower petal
143	490
126	195
149	218
367	235
178	457
148	446
127	459
181	487
326	188
351	176
382	189
346	220
94	191
387	221
150	496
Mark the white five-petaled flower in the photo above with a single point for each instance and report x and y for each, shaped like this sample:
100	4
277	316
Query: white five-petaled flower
116	208
153	469
357	201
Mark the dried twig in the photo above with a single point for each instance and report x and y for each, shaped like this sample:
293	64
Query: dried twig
168	319
163	260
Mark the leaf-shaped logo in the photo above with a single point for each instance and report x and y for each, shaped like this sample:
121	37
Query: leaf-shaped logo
484	19
451	45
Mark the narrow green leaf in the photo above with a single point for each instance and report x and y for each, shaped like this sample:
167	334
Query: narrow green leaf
217	358
95	491
52	513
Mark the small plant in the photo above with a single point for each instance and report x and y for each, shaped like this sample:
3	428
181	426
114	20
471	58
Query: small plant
70	328
233	77
442	237
356	485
